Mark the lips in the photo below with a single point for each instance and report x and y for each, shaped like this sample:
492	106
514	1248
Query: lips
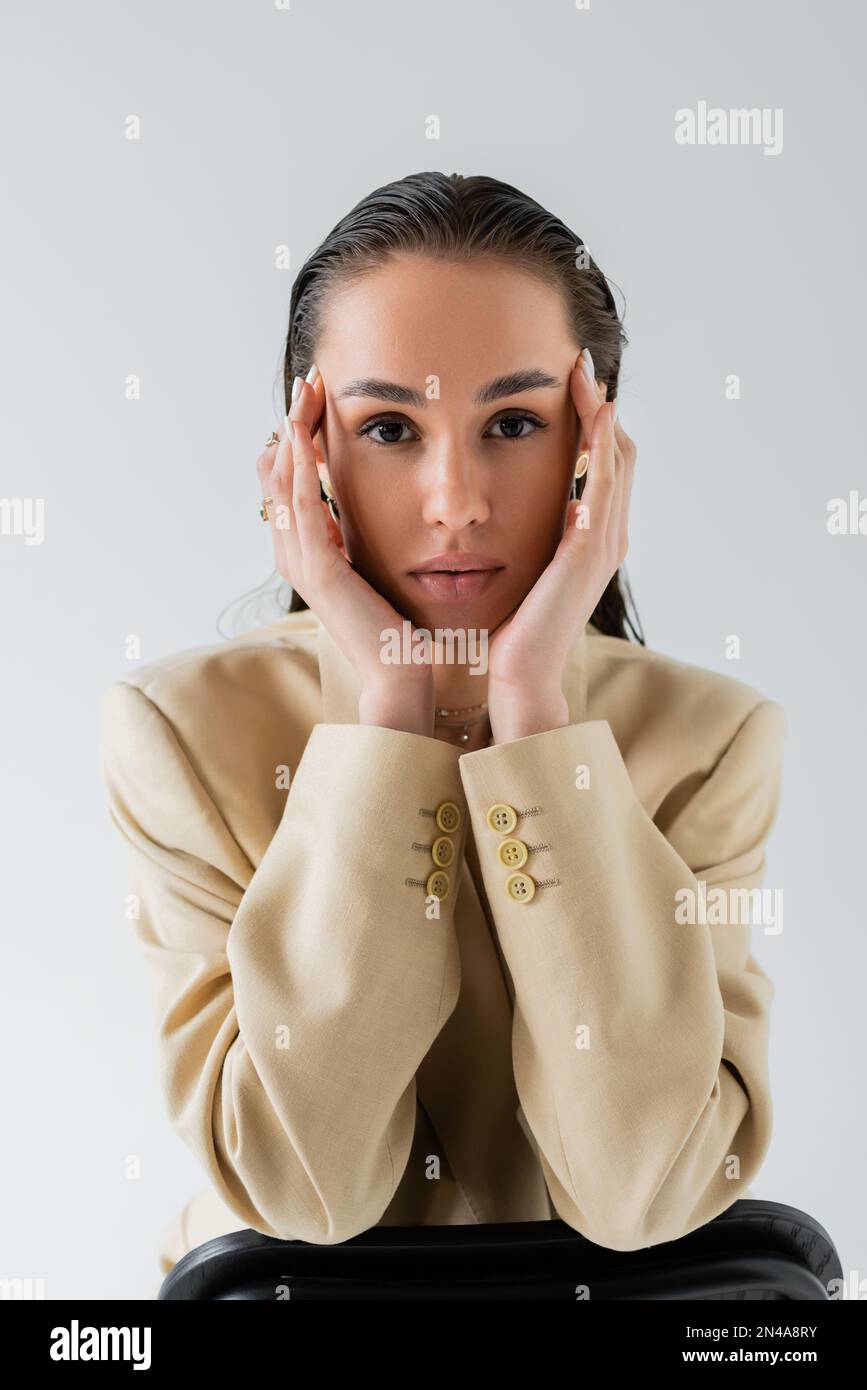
457	574
454	561
453	585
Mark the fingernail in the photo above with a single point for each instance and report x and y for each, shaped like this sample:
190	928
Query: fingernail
589	370
313	374
296	387
287	424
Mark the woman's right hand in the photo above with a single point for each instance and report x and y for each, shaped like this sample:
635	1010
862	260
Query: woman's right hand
309	554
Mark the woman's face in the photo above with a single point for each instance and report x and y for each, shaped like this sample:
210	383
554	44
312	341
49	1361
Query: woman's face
449	427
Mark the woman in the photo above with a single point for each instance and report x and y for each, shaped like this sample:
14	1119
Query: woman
428	938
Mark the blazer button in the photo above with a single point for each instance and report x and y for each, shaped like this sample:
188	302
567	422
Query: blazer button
448	816
502	818
437	884
442	851
512	853
520	887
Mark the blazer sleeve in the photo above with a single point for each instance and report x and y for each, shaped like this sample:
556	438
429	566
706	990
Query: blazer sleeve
293	1002
640	1042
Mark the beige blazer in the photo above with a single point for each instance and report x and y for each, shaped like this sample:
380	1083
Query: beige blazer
558	1041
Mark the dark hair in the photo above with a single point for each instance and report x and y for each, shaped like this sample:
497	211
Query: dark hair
454	217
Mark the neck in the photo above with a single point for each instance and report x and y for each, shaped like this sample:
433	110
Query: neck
477	735
456	687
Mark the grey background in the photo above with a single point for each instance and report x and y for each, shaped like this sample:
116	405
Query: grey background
261	127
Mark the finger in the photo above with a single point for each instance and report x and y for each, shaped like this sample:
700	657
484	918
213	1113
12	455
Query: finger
308	400
599	491
271	487
264	464
278	486
308	406
612	532
307	505
588	396
626	455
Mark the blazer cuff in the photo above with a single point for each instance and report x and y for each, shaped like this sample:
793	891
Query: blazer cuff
516	792
388	805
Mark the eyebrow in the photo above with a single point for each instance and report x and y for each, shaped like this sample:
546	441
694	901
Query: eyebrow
529	379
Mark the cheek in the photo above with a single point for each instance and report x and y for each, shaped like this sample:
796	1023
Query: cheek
534	497
377	488
377	513
536	520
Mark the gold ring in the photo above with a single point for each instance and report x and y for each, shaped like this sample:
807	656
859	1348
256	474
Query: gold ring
263	507
582	459
273	438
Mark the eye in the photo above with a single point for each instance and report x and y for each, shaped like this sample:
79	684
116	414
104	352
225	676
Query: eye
519	418
510	420
387	424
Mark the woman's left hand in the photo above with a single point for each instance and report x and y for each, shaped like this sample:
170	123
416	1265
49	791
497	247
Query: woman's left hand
527	653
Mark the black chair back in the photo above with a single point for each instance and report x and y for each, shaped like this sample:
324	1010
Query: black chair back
754	1250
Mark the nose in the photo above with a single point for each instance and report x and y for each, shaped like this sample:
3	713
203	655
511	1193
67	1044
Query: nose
455	489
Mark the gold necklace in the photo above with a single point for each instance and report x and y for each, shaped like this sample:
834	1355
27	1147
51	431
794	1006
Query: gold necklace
465	709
